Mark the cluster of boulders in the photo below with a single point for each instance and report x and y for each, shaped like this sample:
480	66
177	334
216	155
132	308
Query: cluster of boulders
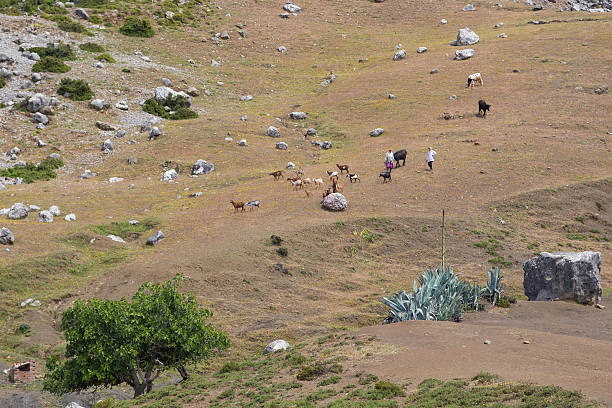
20	211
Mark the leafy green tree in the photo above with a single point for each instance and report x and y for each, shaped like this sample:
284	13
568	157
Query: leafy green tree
110	342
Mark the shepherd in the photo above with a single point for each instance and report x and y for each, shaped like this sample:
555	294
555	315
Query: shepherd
389	158
431	153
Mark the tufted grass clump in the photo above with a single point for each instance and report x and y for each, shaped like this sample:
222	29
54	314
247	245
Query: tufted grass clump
137	27
91	47
50	64
95	19
63	51
2	82
67	24
177	105
75	89
32	172
105	57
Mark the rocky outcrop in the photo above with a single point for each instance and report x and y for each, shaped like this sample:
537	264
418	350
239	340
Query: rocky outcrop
335	202
563	275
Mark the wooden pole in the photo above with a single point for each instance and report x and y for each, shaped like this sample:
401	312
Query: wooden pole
443	248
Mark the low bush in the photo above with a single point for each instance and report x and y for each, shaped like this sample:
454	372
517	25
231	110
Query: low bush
95	19
310	372
31	173
91	47
75	89
282	251
177	105
62	51
67	24
384	390
2	82
24	329
229	367
137	27
275	240
50	64
106	57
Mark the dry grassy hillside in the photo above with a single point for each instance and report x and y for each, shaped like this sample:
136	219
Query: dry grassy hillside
533	175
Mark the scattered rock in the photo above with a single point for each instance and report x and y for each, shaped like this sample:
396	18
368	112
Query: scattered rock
224	35
45	216
273	132
107	146
399	55
246	98
155	133
434	71
452	97
116	238
70	217
464	54
18	211
377	132
487	342
443	21
276	345
282	146
391	96
192	91
87	174
290	165
202	167
292	8
335	202
115	179
132	161
498	25
155	238
503	35
166	82
6	236
54	209
311	132
242	142
468	7
163	92
80	13
297	115
526	342
599	306
40	118
122	105
170	175
465	36
37	102
421	50
282	49
99	104
563	275
601	90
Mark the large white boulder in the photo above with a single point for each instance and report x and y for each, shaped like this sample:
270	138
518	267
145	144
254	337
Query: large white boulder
335	202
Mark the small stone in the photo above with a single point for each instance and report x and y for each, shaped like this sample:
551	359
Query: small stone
434	71
155	238
282	146
115	238
498	25
122	105
290	165
487	342
6	236
70	217
526	342
598	305
503	35
115	179
246	98
399	55
452	97
224	35
107	146
87	174
45	216
166	82
377	132
468	7
391	96
170	175
421	50
242	142
443	21
297	115
282	49
80	13
273	131
276	345
464	54
54	209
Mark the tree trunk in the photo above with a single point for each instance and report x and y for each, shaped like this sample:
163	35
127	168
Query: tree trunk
139	389
183	372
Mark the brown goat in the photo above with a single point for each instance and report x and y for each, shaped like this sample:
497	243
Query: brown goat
308	193
336	187
237	205
343	167
327	192
277	174
294	179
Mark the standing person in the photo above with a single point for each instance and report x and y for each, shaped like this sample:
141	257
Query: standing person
431	153
389	160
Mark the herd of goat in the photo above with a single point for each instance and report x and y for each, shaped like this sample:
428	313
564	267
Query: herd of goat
300	182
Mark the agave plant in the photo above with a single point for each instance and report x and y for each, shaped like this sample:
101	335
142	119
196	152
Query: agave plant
437	295
494	289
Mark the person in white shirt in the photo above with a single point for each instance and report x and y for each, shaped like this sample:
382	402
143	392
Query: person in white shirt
431	153
389	160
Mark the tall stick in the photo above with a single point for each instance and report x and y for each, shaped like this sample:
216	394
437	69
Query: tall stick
443	248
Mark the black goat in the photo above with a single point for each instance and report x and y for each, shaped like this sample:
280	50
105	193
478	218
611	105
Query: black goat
386	176
400	155
483	107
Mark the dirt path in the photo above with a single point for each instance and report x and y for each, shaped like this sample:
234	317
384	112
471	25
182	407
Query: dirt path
569	345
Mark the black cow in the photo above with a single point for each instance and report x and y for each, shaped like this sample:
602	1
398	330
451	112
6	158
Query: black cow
483	107
400	155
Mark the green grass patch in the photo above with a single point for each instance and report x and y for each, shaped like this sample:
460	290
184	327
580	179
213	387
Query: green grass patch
75	89
91	47
67	24
106	57
486	378
50	64
2	82
95	19
126	230
137	27
32	172
334	379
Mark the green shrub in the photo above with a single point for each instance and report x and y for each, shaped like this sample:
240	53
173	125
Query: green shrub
53	9
334	379
276	240
95	19
91	47
2	82
385	390
229	367
24	329
30	173
92	3
65	23
178	108
282	251
503	301
106	57
50	64
367	379
77	89
62	51
486	378
136	27
310	372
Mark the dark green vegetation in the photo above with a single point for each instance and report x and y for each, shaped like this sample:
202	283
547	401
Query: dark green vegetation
434	393
91	47
275	240
50	64
178	108
126	230
2	82
137	27
62	51
282	251
65	23
32	172
106	57
75	89
110	342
